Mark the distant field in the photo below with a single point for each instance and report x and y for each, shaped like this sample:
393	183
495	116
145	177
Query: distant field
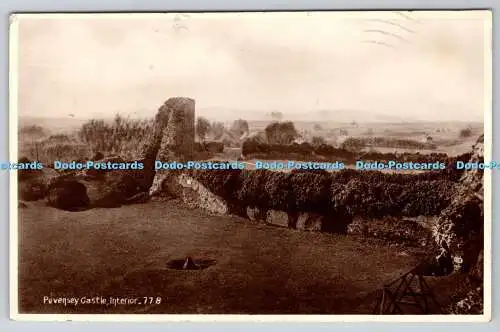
452	150
46	147
54	125
445	135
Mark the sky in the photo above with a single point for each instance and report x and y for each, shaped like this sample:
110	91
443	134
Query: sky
418	65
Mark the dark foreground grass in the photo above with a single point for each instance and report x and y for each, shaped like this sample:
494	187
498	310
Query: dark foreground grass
124	252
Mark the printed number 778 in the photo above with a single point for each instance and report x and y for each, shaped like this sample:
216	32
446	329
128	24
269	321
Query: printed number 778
152	300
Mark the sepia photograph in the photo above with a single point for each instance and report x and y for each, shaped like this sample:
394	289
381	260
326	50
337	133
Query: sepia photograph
279	166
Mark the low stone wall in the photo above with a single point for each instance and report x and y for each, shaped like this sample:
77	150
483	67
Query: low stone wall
308	201
196	195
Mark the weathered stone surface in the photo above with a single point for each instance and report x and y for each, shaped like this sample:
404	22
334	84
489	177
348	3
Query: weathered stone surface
35	186
281	218
176	142
158	186
460	226
152	145
166	184
473	179
110	189
196	195
113	190
178	137
310	221
255	213
471	304
68	194
477	271
153	142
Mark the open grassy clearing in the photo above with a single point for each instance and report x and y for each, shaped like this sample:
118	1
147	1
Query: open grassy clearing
259	269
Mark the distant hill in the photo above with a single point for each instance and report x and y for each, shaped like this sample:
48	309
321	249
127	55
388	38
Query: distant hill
347	115
52	124
224	114
344	115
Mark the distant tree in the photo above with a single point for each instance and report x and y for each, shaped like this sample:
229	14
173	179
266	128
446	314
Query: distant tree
281	132
59	137
466	132
353	144
317	126
202	127
277	116
217	129
34	131
259	137
318	140
344	132
240	127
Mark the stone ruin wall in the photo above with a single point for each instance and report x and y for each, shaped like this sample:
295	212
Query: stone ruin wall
459	229
173	137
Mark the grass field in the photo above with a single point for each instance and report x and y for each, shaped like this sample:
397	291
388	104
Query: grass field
259	269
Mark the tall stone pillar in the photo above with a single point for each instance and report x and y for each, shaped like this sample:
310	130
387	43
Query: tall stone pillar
177	143
177	139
